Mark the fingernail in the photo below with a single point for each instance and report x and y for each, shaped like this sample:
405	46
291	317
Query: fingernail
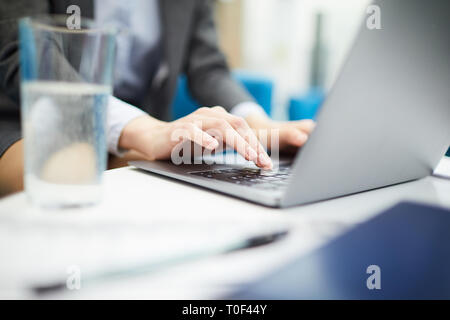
212	144
252	155
301	137
265	160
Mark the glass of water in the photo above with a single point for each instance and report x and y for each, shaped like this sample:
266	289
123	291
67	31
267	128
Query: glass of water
66	79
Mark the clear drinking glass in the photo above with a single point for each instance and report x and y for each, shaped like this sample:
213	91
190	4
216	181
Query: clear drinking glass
66	79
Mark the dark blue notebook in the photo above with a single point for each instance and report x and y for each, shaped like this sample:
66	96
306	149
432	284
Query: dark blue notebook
403	253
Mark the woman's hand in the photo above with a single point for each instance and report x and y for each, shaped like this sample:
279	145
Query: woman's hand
291	134
207	127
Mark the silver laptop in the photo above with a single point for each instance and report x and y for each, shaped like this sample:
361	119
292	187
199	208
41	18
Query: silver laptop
385	121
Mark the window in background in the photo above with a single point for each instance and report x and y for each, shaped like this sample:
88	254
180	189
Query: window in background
276	38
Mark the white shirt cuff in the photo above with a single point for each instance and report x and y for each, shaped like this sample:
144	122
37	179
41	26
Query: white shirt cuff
119	114
244	109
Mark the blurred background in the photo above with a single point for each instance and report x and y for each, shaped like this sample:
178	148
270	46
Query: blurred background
287	53
297	46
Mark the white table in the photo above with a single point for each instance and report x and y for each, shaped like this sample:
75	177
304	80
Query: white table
142	199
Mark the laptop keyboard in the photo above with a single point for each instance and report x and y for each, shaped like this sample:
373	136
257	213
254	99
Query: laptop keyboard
257	178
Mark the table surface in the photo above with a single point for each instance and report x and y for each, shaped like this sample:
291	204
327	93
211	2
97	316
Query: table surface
137	206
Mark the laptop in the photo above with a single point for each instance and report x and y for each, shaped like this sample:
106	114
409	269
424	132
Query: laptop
385	121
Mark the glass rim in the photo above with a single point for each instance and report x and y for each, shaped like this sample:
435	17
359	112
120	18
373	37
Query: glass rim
57	23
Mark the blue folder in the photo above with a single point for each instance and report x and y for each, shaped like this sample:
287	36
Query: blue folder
403	253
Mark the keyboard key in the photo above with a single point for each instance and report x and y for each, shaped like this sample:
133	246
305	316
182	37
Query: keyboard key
262	179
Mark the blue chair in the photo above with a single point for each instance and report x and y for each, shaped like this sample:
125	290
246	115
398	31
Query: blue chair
306	106
260	87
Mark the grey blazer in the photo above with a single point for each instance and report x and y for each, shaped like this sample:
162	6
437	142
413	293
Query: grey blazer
189	46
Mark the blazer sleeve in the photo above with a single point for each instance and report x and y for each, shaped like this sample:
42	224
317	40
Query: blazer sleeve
207	72
10	12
